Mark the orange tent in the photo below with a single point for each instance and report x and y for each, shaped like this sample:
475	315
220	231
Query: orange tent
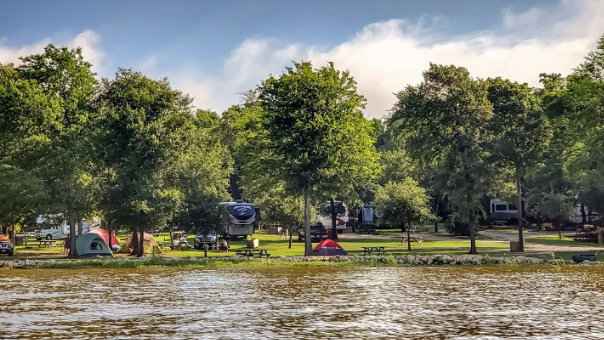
104	234
149	243
4	237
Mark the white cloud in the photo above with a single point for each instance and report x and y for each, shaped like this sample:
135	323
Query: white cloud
386	56
88	41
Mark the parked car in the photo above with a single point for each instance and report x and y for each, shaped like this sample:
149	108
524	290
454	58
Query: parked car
210	238
317	233
6	247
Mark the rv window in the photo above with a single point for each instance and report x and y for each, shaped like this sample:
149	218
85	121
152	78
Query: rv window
501	207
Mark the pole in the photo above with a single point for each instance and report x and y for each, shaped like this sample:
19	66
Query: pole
307	240
334	230
520	217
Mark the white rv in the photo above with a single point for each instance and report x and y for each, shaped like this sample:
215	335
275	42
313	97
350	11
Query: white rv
502	212
324	216
53	227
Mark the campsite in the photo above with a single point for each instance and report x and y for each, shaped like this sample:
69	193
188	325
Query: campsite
272	169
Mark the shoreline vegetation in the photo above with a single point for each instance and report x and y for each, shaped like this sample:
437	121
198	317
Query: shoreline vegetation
236	262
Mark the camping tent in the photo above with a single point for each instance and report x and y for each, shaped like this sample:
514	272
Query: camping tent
329	248
91	244
104	234
149	243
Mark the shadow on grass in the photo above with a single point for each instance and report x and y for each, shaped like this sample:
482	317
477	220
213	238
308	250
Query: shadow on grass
563	242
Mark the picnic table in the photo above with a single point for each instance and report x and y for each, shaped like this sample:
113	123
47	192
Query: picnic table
373	250
251	252
46	243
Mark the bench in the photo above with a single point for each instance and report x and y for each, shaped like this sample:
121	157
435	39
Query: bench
373	251
251	252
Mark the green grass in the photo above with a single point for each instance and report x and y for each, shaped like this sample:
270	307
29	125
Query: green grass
278	246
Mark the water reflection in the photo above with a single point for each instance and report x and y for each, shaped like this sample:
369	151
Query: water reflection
413	303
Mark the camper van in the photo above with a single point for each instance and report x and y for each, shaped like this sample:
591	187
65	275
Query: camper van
324	216
502	212
238	219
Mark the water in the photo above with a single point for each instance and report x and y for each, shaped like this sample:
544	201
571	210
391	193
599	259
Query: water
409	303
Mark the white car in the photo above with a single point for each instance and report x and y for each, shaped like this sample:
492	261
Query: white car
54	233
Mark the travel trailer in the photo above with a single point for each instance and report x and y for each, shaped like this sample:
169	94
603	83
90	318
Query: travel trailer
53	227
502	212
324	215
238	219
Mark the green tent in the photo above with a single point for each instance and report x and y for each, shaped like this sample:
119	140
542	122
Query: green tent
92	245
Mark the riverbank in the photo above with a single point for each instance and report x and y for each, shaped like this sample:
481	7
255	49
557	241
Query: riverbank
290	261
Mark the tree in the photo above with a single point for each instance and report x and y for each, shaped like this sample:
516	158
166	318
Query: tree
404	203
443	123
59	127
203	175
147	129
556	207
520	134
319	140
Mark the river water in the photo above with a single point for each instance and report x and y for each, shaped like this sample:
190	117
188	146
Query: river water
325	302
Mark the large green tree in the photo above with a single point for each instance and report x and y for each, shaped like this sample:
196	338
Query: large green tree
147	131
320	142
520	134
57	144
443	122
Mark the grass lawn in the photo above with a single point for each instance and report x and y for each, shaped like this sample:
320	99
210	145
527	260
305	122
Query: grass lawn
278	246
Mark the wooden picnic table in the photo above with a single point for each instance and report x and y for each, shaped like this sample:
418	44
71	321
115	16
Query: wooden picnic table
251	252
46	243
372	250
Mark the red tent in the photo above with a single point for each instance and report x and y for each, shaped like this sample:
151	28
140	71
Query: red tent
104	234
329	248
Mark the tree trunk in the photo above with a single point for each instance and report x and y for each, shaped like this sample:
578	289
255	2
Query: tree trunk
583	214
141	242
307	240
409	236
13	238
110	236
334	230
72	239
473	249
134	242
289	234
520	215
436	206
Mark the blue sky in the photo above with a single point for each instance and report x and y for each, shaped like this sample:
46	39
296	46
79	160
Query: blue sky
216	50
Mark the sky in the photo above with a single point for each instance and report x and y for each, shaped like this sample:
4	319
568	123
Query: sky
215	51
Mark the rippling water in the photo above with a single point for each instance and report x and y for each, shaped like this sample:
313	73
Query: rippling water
413	303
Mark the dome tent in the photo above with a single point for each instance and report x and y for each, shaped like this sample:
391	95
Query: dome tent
329	247
92	245
150	245
107	236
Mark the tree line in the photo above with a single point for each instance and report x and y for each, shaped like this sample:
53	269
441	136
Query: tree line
134	152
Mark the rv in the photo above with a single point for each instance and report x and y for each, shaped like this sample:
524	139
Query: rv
238	219
502	212
53	227
324	216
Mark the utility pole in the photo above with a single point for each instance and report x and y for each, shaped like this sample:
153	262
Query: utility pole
334	230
